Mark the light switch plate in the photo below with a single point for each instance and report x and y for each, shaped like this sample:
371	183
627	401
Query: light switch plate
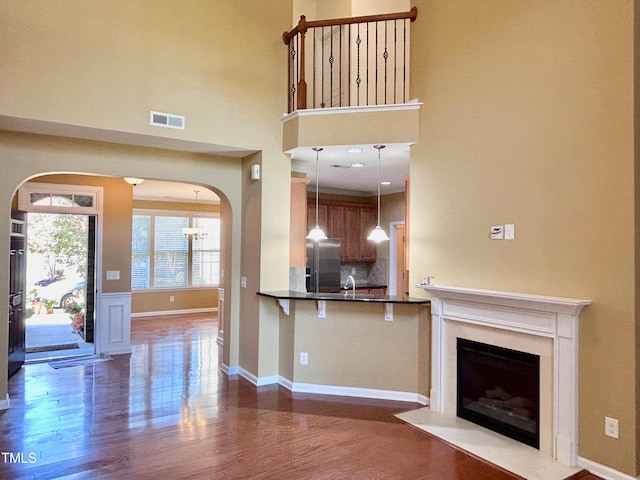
509	231
113	274
497	232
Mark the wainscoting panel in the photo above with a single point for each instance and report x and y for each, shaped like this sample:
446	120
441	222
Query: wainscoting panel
113	323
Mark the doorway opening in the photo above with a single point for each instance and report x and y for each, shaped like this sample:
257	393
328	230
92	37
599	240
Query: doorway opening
59	283
398	274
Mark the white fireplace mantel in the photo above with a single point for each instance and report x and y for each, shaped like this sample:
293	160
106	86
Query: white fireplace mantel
543	316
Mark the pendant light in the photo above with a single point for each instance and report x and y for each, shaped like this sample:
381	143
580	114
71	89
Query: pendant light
133	181
316	232
378	234
194	232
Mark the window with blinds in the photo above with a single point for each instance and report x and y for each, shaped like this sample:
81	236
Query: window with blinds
163	257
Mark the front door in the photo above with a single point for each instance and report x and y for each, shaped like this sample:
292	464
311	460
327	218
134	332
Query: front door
17	293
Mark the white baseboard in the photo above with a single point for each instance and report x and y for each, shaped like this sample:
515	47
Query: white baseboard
4	404
352	391
226	369
326	389
258	381
607	473
140	315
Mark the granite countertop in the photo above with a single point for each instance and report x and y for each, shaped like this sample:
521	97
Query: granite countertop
347	296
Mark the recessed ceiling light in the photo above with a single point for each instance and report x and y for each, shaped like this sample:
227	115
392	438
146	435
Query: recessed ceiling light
357	165
354	150
386	182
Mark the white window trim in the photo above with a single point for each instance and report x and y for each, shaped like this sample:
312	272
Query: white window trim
177	213
25	191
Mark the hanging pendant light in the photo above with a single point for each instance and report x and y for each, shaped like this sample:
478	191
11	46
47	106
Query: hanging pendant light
194	232
316	232
378	234
133	181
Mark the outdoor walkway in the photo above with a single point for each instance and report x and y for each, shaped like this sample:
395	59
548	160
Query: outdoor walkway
53	329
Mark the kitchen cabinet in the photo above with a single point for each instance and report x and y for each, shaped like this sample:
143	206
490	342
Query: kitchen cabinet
351	223
322	217
372	291
368	220
298	222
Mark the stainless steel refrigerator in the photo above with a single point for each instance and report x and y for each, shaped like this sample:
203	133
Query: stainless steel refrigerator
323	265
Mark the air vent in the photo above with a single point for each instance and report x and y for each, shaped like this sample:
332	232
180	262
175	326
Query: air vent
167	120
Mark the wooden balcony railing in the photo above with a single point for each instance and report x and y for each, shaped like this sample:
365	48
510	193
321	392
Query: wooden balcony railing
350	61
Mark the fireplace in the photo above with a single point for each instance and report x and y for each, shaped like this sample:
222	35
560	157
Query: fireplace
499	389
543	326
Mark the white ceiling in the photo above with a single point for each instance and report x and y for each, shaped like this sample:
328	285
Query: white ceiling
337	174
334	168
161	191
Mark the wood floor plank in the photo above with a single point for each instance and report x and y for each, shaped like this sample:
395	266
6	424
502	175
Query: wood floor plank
167	412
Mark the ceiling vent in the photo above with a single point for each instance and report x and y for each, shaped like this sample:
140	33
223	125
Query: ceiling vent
340	166
167	120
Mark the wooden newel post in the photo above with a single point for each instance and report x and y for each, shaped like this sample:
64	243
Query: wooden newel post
301	103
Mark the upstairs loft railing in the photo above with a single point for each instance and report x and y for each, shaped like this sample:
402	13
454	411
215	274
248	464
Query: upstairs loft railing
349	61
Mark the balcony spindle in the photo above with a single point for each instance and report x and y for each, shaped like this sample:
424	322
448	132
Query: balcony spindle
337	72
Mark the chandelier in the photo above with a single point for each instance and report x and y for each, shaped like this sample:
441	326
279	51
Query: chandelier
194	232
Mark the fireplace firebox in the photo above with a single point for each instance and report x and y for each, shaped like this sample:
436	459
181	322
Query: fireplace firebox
499	389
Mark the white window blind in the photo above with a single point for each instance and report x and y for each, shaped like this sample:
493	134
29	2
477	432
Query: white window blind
162	257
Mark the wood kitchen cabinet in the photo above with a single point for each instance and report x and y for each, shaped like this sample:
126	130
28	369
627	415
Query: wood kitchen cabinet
351	223
373	291
322	217
298	223
368	221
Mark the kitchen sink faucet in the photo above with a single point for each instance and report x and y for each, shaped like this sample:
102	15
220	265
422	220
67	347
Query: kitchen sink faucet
353	284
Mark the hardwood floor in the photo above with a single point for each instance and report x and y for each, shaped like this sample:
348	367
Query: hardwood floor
166	411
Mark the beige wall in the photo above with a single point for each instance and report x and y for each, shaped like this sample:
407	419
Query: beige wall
530	121
95	69
344	348
328	9
106	64
392	209
183	299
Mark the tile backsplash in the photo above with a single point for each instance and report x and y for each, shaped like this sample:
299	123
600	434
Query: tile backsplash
373	273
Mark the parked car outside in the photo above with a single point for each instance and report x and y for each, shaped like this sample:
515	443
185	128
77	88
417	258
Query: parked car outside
64	291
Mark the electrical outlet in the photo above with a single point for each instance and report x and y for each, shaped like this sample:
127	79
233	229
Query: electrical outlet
172	298
611	427
304	358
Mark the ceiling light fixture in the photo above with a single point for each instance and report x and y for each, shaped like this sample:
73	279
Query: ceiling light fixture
133	181
194	232
354	150
357	165
385	182
316	232
378	234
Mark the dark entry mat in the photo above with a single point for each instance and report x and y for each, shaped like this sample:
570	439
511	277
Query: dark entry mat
51	348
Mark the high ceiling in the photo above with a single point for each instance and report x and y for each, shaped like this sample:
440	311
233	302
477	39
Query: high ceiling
337	173
334	167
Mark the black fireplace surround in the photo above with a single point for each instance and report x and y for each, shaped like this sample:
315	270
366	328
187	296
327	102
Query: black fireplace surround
499	389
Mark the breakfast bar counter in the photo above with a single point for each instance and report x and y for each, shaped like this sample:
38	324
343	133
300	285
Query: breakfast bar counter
346	296
351	343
